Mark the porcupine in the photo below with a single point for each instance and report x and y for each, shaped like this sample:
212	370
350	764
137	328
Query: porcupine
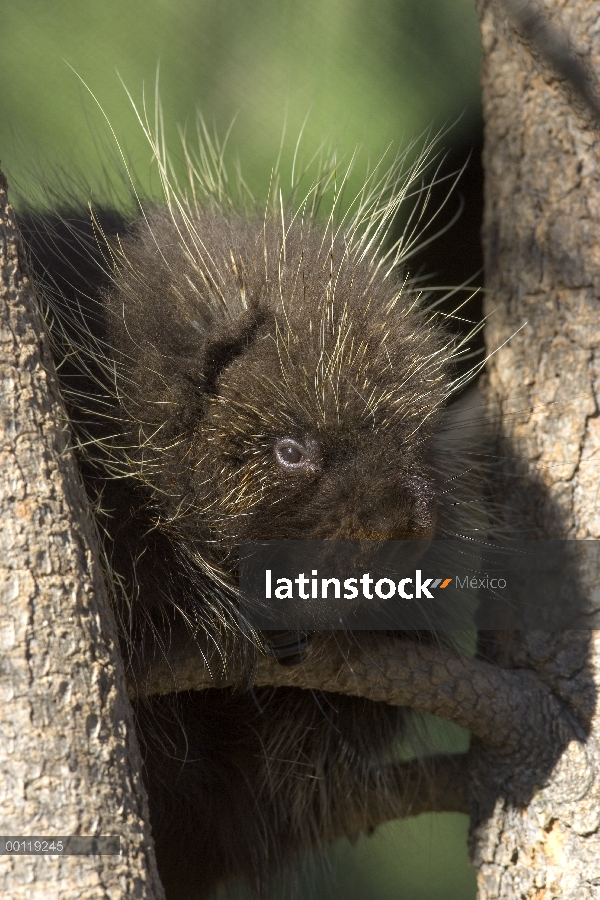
236	375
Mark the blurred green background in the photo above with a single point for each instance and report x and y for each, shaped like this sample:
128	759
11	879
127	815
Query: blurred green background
365	72
415	859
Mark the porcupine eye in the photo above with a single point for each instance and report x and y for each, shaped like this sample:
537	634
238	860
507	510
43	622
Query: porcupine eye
290	454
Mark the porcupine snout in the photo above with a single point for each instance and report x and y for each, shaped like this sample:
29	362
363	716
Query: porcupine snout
358	511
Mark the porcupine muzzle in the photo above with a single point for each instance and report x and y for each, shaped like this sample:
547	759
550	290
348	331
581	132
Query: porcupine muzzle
288	647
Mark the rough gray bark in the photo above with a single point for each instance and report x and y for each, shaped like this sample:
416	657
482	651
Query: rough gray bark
69	760
536	828
554	45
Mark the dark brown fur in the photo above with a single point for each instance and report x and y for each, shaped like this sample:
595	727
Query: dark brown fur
213	339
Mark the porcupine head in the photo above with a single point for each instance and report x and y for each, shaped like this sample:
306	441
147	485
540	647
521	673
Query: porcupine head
274	374
276	382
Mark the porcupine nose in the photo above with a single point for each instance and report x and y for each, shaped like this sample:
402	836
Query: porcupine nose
394	518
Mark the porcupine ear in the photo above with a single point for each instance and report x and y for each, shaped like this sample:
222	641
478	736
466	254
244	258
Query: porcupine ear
166	371
221	351
177	319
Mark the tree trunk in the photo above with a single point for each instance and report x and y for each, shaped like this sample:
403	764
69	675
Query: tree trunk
69	760
535	831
